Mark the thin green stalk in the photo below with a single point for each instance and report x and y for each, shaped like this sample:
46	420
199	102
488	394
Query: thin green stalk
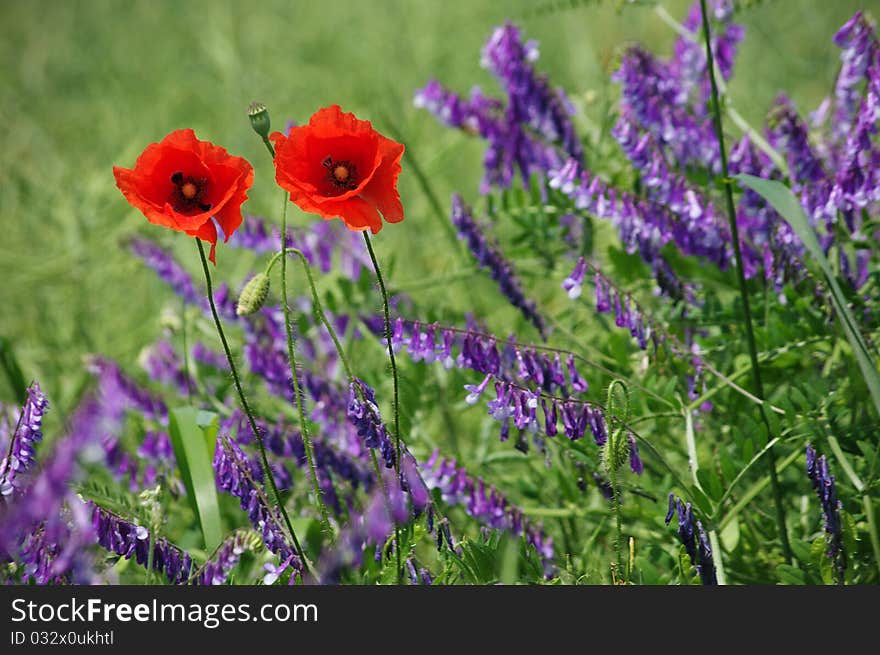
396	407
743	288
297	390
387	312
247	410
319	308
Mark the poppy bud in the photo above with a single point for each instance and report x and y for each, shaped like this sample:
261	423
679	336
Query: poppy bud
259	116
615	452
253	295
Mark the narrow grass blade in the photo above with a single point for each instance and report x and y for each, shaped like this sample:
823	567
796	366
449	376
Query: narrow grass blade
188	428
785	202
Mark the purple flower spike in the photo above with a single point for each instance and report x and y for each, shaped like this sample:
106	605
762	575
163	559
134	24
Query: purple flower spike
489	257
27	432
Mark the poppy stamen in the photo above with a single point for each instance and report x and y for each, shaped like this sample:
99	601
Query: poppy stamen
341	174
189	193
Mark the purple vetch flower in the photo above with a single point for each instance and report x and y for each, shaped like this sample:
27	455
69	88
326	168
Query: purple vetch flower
824	484
644	226
225	558
530	98
700	552
573	284
117	392
707	563
531	133
364	414
788	133
318	242
127	539
235	475
44	527
635	461
167	268
18	451
484	503
488	256
700	229
285	443
859	47
174	275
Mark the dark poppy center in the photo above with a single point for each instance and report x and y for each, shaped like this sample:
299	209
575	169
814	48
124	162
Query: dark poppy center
189	193
341	174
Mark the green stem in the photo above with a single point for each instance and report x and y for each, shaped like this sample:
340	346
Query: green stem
247	410
318	307
743	289
394	378
297	390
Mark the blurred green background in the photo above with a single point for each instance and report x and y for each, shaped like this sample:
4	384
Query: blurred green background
85	85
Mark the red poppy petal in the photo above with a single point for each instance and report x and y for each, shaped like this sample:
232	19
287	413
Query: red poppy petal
359	215
207	232
382	189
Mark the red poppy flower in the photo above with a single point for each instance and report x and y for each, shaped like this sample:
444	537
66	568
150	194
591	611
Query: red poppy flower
339	166
187	185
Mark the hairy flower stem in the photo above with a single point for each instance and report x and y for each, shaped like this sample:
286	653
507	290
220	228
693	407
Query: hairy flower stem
743	289
297	389
396	407
319	308
247	410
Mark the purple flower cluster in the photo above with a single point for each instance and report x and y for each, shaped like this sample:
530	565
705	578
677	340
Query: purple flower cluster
483	502
695	541
519	406
385	507
627	313
286	444
529	365
217	569
44	526
117	392
364	415
318	242
167	268
644	227
823	483
531	100
128	540
489	257
859	51
669	100
531	133
235	475
18	451
699	229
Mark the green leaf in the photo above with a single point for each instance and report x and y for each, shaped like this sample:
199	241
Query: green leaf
790	575
785	202
730	535
194	456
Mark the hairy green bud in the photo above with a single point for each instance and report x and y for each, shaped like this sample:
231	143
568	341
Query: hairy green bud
253	295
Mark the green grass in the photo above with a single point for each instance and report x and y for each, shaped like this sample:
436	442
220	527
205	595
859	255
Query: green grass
86	85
